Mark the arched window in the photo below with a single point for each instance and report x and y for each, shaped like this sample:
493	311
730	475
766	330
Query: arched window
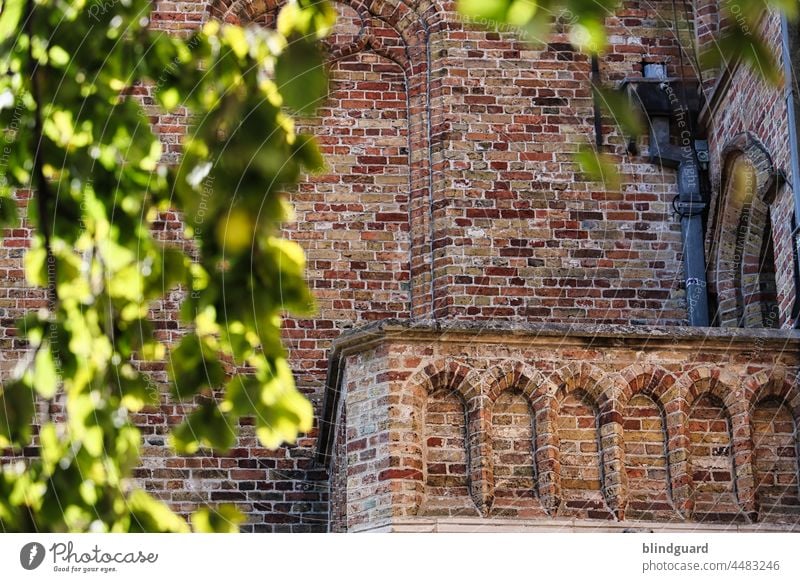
759	293
742	256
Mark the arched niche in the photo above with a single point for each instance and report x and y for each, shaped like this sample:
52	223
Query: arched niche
513	446
742	256
580	455
711	462
646	460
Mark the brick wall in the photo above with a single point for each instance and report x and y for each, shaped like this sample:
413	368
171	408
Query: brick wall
447	480
16	299
711	459
581	467
513	457
452	193
519	233
353	220
743	105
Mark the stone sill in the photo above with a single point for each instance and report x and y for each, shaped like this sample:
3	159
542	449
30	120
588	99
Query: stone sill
595	335
479	525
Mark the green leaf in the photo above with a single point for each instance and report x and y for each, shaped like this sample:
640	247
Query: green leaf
284	420
308	18
102	164
93	441
207	426
599	167
35	265
306	150
301	77
149	515
136	391
16	414
10	16
242	395
588	35
789	7
45	375
9	215
235	38
494	11
169	98
193	367
52	449
58	56
224	519
623	114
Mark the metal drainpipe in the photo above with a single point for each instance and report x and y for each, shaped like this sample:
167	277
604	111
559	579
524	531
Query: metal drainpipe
691	207
795	156
690	203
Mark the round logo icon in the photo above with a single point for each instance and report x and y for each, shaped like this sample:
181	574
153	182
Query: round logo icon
31	555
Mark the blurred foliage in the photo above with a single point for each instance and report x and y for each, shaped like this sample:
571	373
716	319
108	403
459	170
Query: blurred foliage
77	137
585	22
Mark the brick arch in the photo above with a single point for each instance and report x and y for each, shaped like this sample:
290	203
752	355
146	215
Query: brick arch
720	383
437	376
384	39
603	388
657	384
512	374
443	374
518	377
446	377
728	389
412	21
240	11
584	382
664	389
653	381
776	385
774	403
741	236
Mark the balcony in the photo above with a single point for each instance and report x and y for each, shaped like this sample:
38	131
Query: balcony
446	427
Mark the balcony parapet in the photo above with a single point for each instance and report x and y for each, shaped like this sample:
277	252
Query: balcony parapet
485	420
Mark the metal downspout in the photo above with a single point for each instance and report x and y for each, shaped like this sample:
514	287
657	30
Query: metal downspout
689	204
795	157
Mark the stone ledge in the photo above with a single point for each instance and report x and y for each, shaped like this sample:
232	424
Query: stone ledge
495	525
597	335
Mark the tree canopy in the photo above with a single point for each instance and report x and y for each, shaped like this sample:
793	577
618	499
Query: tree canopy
83	145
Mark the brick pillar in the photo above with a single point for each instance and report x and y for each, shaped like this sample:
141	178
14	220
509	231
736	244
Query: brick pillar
742	443
384	461
612	445
677	411
547	455
480	453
